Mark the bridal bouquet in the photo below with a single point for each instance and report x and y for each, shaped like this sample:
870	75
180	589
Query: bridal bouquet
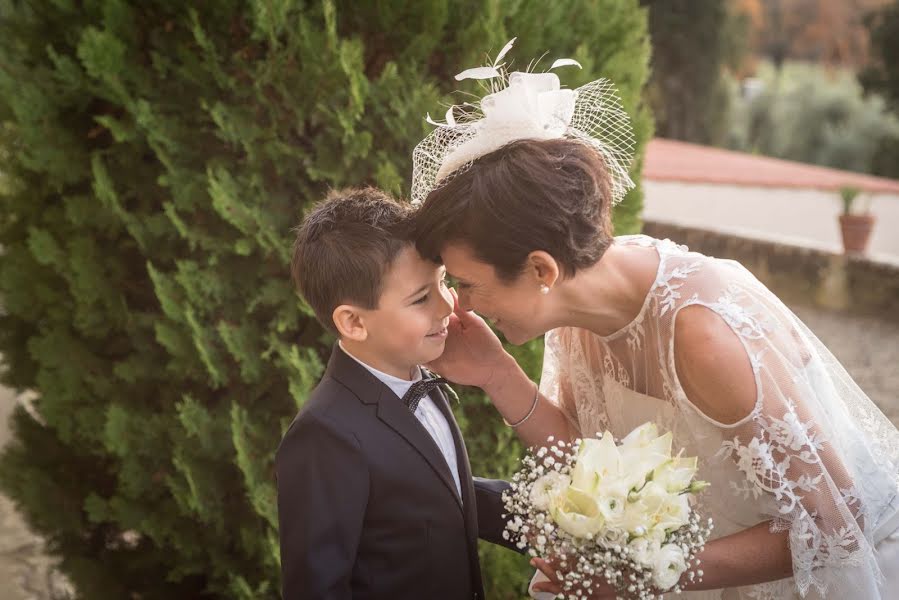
616	512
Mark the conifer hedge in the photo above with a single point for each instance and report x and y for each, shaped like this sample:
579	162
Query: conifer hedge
154	156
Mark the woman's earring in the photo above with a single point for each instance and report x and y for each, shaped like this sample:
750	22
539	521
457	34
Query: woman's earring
544	289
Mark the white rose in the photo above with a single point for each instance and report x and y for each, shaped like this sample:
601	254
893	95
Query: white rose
542	491
645	550
667	566
576	512
612	500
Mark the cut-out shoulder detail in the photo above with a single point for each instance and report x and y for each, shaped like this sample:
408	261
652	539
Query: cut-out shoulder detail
712	366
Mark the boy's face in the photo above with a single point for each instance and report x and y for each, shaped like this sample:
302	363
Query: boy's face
409	325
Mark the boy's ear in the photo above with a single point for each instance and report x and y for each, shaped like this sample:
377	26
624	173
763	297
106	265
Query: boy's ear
349	322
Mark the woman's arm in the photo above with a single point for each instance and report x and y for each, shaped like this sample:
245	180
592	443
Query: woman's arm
513	394
751	556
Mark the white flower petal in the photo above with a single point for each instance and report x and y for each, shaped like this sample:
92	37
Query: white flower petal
564	62
668	566
478	73
505	49
450	119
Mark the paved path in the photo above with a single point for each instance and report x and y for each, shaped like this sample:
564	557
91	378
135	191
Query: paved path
869	349
25	572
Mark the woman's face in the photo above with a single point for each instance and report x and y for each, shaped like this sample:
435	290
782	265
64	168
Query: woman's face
517	308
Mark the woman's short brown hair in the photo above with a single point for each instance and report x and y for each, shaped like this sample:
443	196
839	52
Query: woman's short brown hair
344	248
551	195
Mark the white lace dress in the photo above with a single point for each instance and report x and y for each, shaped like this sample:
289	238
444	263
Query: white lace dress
814	457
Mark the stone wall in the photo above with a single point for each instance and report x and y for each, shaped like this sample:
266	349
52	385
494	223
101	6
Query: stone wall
801	275
804	217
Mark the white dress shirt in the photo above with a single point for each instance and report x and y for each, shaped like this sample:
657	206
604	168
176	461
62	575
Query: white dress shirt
427	414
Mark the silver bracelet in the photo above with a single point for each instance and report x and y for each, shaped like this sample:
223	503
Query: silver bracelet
530	412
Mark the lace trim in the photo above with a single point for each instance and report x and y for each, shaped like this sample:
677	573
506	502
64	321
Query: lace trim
768	457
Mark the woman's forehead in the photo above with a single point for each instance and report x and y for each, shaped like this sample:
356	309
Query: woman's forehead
462	264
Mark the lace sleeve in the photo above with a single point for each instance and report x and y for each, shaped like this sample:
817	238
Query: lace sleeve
556	379
813	450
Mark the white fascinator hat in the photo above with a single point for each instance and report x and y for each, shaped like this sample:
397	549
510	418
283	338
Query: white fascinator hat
525	105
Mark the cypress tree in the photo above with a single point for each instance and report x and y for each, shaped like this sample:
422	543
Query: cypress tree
154	157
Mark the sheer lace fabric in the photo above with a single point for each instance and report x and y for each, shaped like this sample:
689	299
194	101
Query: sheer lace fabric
815	456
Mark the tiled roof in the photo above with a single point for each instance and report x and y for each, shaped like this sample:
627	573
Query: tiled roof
670	160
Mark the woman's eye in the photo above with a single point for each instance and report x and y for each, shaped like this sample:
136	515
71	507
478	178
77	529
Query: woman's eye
421	300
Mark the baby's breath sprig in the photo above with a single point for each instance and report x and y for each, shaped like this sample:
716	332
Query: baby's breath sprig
567	504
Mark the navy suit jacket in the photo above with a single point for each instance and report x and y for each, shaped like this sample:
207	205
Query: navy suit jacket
366	502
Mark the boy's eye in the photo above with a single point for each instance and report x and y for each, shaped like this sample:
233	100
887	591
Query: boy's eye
421	300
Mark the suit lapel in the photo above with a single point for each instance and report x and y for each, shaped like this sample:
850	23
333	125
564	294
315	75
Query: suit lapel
467	484
399	418
393	413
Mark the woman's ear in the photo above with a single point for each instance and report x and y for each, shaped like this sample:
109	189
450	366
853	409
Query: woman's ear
543	268
350	323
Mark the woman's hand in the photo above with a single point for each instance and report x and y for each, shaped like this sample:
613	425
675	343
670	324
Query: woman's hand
601	589
473	354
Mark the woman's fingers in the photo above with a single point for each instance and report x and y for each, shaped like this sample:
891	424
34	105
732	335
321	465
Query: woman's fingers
544	586
554	585
546	569
465	317
455	295
454	322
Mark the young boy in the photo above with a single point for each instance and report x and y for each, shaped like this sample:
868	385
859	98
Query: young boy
375	494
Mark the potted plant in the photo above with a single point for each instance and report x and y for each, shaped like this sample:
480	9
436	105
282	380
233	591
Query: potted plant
855	225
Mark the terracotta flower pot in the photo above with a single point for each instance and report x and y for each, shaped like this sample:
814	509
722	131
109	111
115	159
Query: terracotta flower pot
856	230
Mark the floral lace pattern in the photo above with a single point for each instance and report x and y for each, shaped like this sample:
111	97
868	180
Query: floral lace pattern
767	458
815	457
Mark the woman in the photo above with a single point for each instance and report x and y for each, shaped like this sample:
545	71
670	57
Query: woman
803	466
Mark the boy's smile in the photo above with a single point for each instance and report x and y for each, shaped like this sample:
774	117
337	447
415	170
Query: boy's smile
409	325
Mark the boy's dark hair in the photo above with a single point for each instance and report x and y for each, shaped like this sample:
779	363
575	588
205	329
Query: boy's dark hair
551	195
344	247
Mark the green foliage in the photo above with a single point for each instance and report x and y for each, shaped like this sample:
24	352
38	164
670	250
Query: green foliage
811	114
693	42
882	77
848	194
154	157
882	73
